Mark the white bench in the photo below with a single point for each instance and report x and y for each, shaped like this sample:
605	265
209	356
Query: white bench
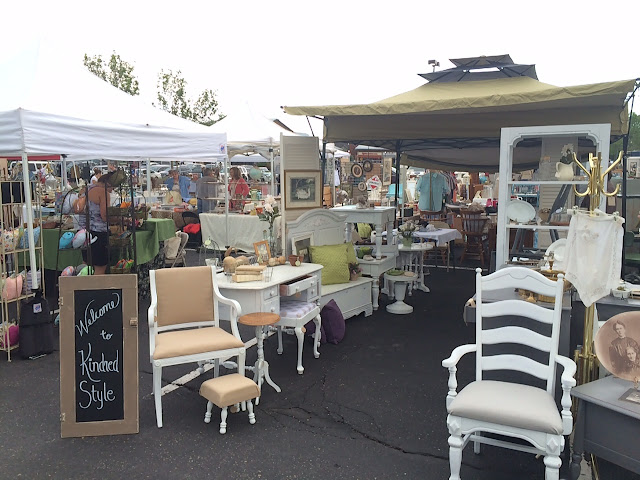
353	298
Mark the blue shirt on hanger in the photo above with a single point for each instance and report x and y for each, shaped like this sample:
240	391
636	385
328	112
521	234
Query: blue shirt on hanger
432	188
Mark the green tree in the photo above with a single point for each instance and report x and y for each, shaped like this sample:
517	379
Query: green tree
172	97
634	138
116	71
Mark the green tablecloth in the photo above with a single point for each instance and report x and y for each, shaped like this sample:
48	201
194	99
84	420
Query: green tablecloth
148	241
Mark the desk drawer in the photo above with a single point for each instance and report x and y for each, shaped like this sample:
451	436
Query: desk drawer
298	285
270	292
272	305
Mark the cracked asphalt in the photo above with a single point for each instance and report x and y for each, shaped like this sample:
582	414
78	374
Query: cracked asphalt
371	407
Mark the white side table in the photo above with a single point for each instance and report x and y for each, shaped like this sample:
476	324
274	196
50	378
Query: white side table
397	289
412	259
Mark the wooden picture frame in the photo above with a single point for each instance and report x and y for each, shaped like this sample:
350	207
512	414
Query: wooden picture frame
387	171
300	245
99	355
303	189
263	252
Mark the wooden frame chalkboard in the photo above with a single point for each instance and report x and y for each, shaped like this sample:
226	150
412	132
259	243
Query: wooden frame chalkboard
99	355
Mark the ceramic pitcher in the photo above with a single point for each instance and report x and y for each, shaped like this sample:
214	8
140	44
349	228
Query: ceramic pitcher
564	171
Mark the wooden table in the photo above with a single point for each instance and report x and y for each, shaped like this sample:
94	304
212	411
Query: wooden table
606	426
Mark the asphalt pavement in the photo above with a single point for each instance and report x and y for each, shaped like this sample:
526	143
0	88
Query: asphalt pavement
371	407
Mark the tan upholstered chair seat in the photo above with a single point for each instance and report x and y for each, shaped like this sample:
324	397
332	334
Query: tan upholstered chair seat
229	390
503	403
193	341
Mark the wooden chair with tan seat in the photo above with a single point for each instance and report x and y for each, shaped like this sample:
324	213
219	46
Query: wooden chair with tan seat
475	234
184	323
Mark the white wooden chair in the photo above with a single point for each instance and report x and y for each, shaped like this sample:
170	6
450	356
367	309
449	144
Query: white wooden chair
294	315
512	409
184	325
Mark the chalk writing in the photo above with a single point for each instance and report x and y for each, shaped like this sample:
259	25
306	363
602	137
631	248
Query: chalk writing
92	315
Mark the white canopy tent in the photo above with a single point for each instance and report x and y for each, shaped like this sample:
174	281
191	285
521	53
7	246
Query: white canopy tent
52	105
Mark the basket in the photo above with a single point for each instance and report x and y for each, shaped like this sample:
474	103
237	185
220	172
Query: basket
552	275
119	242
120	270
117	211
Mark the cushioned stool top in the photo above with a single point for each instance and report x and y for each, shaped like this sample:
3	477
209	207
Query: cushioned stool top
229	389
295	309
259	318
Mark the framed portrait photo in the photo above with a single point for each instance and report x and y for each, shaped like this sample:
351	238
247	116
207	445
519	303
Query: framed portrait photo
300	245
263	252
634	168
387	165
303	189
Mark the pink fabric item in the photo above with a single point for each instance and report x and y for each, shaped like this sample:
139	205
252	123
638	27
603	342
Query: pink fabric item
12	288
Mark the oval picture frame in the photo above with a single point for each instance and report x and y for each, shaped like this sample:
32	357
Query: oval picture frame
356	170
615	336
367	165
362	186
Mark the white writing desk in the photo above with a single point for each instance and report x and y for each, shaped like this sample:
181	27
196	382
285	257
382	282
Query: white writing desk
301	283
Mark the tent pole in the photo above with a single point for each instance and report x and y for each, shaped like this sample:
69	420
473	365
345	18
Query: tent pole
398	146
148	176
283	192
63	173
226	201
29	220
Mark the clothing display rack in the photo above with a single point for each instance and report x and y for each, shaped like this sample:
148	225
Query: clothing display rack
585	357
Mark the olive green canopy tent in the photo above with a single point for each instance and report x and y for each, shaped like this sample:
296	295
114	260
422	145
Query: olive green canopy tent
456	125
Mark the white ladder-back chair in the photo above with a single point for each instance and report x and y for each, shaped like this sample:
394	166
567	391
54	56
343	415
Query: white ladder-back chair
512	409
184	323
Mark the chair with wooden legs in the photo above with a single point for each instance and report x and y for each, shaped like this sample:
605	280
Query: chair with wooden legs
442	251
473	230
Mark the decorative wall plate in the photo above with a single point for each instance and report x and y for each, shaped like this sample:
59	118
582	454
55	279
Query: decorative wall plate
367	165
356	170
557	248
362	186
520	211
617	345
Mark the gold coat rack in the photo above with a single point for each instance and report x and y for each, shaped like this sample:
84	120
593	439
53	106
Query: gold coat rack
585	358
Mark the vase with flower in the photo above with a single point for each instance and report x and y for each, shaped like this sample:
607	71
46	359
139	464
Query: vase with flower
354	271
564	168
271	211
406	232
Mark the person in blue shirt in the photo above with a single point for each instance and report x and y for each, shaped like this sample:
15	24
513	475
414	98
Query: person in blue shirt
183	183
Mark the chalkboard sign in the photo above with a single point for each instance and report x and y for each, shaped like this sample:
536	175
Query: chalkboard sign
98	355
98	331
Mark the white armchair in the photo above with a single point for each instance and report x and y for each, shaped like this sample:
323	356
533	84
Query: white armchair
512	409
184	324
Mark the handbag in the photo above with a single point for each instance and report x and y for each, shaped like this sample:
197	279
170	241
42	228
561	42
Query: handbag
80	204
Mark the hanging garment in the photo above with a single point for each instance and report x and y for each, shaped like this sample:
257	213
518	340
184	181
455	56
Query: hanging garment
593	254
432	188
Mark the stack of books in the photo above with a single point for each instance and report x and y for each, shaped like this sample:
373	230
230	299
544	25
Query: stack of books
248	273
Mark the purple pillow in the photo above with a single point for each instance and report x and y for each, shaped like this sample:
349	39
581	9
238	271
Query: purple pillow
332	322
310	327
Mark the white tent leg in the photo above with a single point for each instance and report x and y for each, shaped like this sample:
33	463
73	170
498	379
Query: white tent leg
148	178
64	172
29	220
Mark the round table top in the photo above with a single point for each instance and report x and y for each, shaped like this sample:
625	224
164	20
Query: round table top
259	319
401	278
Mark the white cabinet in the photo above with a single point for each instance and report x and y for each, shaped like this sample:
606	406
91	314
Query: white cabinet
550	139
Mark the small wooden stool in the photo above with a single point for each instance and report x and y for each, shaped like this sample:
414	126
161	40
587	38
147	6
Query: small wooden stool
226	391
261	368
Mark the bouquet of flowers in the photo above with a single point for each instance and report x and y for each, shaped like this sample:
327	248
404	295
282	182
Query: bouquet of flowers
270	211
566	154
407	229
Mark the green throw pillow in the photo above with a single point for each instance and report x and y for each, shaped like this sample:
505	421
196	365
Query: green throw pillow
364	230
334	260
351	253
